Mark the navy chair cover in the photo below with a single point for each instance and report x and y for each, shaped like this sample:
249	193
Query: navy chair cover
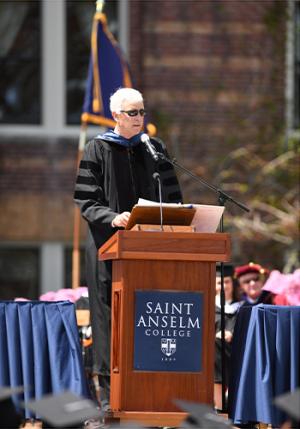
265	362
40	349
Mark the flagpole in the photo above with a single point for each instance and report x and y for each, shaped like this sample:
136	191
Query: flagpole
77	216
76	250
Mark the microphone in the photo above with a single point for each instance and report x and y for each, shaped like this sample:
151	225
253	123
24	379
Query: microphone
156	177
146	140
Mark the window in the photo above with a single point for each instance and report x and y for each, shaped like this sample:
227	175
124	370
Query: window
44	56
20	47
79	18
19	273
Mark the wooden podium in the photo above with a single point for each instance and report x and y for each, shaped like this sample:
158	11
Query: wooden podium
160	262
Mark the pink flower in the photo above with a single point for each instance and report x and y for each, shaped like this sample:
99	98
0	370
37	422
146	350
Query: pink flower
287	285
71	295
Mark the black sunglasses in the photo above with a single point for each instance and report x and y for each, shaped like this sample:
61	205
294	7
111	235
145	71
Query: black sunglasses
134	112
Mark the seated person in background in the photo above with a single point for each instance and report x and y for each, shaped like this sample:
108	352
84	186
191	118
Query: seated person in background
251	278
232	305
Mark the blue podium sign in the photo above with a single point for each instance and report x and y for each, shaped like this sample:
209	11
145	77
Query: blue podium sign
168	331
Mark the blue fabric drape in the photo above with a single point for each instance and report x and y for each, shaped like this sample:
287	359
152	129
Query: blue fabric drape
111	66
40	349
265	362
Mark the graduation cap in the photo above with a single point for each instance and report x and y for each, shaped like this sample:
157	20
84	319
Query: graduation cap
64	409
250	268
202	416
290	403
227	269
9	416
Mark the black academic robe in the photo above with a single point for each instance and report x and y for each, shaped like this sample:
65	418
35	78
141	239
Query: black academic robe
230	319
111	179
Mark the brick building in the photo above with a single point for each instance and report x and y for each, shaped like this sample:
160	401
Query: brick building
216	76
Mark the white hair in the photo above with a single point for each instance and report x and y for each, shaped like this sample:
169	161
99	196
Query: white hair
124	94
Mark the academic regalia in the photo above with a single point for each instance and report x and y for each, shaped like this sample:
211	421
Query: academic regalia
113	174
265	297
230	312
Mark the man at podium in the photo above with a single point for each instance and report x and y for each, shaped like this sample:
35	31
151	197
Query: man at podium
115	171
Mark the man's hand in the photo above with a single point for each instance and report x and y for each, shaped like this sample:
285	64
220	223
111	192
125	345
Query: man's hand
121	219
228	336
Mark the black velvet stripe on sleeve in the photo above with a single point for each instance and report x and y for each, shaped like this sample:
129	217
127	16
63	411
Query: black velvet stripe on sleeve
84	195
90	194
81	180
89	165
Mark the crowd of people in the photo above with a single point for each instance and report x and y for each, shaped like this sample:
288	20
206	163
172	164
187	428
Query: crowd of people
250	284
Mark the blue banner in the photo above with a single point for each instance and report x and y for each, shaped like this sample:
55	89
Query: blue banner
168	331
107	72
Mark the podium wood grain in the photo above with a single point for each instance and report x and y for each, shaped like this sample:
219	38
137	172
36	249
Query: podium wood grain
160	261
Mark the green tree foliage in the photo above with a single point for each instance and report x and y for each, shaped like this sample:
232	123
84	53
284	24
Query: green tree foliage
270	187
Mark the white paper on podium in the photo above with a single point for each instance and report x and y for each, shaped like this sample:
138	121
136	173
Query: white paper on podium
206	218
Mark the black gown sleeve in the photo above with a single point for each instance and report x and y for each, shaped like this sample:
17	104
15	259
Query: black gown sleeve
89	188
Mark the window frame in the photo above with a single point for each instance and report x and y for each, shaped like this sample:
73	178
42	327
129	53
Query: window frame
24	246
290	95
53	97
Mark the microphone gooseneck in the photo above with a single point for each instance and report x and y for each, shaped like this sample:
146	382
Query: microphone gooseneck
156	177
146	140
